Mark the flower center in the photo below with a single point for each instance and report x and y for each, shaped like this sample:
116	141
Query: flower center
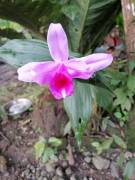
61	81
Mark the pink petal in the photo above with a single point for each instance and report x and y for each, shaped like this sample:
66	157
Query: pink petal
77	69
61	84
57	42
39	72
97	62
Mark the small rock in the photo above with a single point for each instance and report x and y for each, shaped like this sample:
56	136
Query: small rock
100	163
45	178
90	178
43	173
86	153
114	170
61	157
55	178
50	167
64	164
68	171
73	177
128	155
3	164
87	159
59	171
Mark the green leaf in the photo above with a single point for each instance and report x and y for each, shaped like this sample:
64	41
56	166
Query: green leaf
32	14
118	115
19	52
79	107
48	154
90	16
121	96
104	97
131	82
131	65
95	144
121	160
11	33
53	141
119	141
39	147
129	169
107	144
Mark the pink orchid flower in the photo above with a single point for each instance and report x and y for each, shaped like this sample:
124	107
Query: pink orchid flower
59	74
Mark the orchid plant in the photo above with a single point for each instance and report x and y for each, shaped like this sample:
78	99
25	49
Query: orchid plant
60	72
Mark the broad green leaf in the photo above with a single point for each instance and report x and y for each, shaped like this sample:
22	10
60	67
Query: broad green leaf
129	169
19	52
79	107
119	141
39	147
88	17
48	154
53	141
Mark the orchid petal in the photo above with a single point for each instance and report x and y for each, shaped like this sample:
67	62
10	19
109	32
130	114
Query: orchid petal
39	72
57	42
97	62
77	69
61	84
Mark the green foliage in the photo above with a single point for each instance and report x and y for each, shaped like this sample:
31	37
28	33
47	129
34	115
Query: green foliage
79	107
123	87
47	149
11	30
39	147
105	145
20	52
33	15
121	160
129	169
81	19
55	142
104	97
49	153
11	34
119	141
89	21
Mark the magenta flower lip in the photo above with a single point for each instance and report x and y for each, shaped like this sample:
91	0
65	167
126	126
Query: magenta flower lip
59	74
